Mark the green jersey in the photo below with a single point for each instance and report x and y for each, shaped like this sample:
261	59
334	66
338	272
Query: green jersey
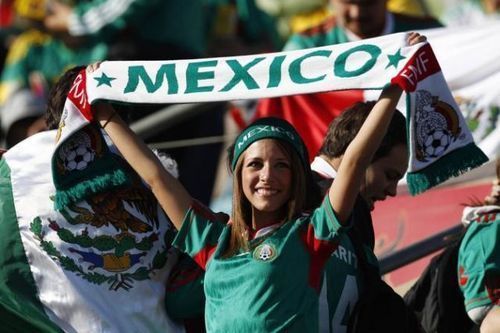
342	283
274	286
479	262
341	286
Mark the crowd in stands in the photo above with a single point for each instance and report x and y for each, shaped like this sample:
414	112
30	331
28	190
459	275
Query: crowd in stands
43	39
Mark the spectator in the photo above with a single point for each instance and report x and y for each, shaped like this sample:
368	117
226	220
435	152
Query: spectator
117	287
67	36
34	62
355	20
342	283
137	29
470	12
479	259
152	30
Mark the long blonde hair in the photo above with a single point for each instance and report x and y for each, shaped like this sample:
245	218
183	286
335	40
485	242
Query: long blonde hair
242	210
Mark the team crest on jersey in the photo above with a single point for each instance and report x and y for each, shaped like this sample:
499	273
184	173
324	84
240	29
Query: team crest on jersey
116	238
436	126
265	252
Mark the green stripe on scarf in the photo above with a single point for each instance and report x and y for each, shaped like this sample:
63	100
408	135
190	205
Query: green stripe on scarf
20	308
452	164
104	172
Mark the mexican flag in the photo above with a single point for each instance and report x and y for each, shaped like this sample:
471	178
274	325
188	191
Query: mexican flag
99	265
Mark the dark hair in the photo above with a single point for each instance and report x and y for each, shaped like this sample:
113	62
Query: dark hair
57	97
343	129
59	92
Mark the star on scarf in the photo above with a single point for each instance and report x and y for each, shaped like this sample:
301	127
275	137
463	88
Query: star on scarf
104	79
394	59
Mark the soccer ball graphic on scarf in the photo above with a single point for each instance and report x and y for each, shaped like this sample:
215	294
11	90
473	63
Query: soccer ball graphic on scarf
436	142
79	158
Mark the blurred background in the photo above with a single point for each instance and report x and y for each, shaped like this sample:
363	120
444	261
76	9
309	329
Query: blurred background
40	39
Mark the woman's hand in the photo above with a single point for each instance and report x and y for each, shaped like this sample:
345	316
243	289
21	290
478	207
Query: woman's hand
413	38
103	112
93	67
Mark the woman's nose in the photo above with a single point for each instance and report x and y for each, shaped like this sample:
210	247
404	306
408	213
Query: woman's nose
265	173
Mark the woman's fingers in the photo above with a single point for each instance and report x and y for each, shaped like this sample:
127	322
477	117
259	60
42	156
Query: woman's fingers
414	38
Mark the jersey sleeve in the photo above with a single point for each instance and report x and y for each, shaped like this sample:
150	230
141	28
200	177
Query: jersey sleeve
200	232
321	239
324	227
479	266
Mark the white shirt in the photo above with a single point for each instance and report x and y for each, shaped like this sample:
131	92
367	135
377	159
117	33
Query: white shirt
322	167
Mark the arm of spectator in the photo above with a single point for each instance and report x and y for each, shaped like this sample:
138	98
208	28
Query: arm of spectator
171	194
57	18
491	323
360	151
89	18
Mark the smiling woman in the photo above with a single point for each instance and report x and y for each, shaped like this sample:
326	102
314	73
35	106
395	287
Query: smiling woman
272	180
270	228
263	268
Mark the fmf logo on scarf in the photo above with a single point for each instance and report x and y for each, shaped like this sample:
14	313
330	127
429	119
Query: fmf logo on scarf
422	65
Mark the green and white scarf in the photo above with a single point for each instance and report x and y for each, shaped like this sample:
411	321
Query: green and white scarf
441	145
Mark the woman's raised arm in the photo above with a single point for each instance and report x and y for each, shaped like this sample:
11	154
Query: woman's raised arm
360	151
171	194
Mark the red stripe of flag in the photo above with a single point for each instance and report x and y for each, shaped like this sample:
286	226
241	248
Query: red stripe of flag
310	114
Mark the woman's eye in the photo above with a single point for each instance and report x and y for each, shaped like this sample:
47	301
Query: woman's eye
283	165
253	164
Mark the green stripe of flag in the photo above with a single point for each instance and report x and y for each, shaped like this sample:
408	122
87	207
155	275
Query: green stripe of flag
20	308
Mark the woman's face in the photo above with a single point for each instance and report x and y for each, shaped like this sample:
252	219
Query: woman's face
266	178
